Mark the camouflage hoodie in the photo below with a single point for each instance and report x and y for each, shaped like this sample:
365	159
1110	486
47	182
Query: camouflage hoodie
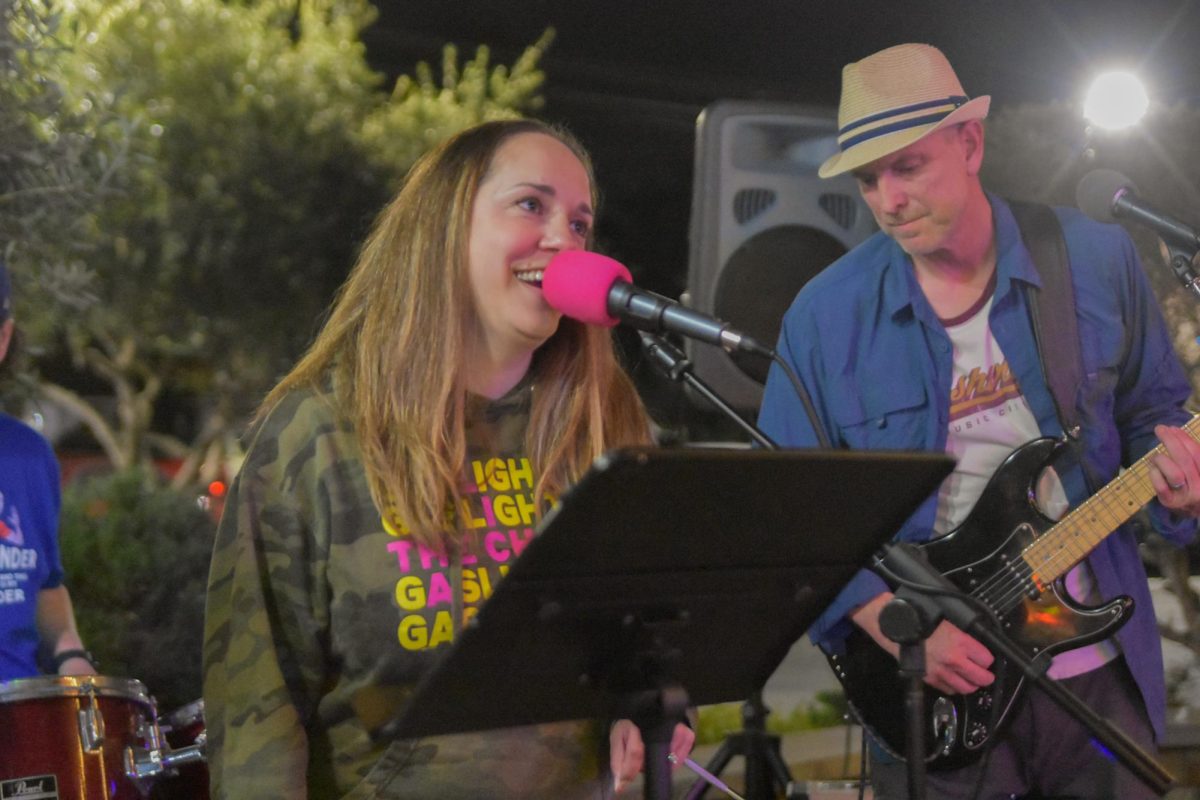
321	616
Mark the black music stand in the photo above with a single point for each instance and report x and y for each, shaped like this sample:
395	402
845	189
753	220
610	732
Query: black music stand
668	577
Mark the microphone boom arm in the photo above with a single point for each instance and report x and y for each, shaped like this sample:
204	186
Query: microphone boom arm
678	368
1181	263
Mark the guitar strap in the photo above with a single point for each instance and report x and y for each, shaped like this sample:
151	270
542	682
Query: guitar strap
1052	309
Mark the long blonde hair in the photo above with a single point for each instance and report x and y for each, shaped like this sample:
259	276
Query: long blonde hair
395	339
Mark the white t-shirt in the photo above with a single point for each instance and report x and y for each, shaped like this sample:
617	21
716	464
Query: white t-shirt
989	418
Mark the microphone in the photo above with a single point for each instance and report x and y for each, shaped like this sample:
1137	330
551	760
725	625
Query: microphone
1105	194
598	290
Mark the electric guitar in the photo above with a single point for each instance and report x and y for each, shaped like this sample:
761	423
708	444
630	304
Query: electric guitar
1012	558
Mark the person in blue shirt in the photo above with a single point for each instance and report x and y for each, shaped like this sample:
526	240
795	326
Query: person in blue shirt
920	338
35	606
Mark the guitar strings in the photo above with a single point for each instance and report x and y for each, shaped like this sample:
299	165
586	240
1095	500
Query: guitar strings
1006	589
1021	573
1098	508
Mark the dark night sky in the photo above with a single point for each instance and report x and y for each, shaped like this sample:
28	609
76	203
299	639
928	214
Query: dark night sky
629	77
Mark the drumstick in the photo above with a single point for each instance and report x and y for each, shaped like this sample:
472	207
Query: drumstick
706	775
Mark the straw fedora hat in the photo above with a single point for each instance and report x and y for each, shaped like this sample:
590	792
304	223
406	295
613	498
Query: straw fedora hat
893	98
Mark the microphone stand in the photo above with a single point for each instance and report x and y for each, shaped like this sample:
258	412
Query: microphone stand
931	595
676	366
909	623
906	622
1181	261
765	767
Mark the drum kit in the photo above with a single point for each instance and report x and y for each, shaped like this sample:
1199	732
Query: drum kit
90	737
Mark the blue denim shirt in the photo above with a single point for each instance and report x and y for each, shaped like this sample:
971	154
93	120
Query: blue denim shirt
877	361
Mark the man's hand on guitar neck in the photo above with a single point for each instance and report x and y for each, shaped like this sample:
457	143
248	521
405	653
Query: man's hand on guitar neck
1175	474
955	662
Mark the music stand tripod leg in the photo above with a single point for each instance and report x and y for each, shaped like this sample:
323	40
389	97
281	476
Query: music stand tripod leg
780	773
724	754
765	768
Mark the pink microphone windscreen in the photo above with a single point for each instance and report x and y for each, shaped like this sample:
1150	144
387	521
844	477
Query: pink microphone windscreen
576	283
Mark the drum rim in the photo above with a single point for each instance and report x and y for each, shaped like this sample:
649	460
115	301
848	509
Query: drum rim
43	686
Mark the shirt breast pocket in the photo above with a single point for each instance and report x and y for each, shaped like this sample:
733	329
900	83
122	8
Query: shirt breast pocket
1103	345
1097	393
884	417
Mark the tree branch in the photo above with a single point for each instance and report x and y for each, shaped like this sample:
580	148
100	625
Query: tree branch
92	419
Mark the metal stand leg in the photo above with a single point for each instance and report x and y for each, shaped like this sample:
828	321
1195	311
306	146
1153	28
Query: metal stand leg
767	776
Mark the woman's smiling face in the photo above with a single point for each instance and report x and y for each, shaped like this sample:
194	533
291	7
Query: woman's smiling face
535	201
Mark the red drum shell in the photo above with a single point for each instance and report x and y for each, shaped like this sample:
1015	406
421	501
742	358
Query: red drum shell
44	744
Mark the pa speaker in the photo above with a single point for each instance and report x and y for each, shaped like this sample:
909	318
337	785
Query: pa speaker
763	224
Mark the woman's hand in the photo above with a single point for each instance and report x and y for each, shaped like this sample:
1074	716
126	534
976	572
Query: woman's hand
627	752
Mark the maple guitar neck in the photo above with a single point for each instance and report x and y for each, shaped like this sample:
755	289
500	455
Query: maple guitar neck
1077	534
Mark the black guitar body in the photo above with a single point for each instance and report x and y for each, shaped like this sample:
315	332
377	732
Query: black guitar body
1042	620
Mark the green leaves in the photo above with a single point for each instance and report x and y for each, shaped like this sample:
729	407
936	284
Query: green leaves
422	110
136	559
224	160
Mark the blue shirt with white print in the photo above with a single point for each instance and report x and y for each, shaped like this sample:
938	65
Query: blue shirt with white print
29	556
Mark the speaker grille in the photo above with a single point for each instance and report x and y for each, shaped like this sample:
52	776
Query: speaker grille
761	279
749	203
842	208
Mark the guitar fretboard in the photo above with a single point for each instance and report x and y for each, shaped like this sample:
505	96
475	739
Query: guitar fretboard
1075	535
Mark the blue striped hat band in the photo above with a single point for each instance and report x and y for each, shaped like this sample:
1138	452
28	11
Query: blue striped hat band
944	108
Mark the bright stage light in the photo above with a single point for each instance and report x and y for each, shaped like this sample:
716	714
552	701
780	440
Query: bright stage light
1116	100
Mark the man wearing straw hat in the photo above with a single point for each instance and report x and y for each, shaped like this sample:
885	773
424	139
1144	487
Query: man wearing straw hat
921	339
35	608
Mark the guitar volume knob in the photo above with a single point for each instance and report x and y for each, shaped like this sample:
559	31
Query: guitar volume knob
976	736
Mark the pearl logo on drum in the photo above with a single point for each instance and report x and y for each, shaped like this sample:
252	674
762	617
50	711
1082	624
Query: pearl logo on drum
38	787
